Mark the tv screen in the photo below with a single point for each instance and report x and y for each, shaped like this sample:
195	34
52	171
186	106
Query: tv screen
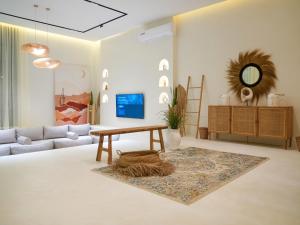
130	105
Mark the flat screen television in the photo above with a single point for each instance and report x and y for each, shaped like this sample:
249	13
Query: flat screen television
130	106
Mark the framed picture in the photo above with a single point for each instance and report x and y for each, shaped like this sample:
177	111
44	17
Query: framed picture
72	94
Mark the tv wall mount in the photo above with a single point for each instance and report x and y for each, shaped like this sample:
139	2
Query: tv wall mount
121	15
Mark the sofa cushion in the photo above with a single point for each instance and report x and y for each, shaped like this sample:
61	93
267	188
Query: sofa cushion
33	133
67	142
55	132
4	150
72	135
7	136
81	130
113	138
24	140
10	145
36	146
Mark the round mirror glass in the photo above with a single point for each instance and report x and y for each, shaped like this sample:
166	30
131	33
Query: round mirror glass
251	75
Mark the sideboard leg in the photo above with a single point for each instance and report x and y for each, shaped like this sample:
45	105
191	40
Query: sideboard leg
285	144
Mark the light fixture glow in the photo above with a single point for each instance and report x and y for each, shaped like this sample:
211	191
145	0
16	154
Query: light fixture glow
46	63
163	81
163	98
105	73
105	98
36	49
164	65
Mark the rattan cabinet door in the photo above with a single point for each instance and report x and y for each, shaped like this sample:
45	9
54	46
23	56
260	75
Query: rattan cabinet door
219	119
244	120
272	122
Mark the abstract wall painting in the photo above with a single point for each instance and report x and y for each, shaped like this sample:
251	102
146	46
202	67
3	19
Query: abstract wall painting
72	94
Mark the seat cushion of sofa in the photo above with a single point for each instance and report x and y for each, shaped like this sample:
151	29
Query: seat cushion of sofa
67	142
4	150
10	145
34	134
113	138
7	136
36	146
55	132
81	130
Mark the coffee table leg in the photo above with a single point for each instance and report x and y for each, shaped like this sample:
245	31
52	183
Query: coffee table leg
109	150
100	148
161	139
151	139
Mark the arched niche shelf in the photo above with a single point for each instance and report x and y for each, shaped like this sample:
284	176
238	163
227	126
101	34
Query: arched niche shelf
105	98
105	86
105	73
164	65
163	98
163	81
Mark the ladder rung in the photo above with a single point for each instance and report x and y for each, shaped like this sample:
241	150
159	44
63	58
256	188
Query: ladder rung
157	141
191	112
194	87
194	99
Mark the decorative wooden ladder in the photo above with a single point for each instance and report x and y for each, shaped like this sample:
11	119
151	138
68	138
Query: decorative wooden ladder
193	100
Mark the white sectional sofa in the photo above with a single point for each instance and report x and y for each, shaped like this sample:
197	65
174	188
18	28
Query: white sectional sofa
23	140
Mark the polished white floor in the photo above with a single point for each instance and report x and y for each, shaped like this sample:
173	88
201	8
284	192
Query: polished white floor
59	188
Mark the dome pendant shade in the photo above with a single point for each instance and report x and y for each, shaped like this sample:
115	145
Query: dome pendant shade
46	63
36	49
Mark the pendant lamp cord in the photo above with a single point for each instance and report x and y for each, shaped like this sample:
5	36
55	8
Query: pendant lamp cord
47	9
35	18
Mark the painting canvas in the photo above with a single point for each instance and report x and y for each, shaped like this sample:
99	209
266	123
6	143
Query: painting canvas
72	95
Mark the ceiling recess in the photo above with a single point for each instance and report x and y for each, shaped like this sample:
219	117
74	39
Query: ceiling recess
121	14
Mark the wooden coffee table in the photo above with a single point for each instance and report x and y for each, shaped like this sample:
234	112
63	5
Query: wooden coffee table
112	132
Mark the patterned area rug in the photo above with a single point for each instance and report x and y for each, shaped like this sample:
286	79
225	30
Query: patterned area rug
198	172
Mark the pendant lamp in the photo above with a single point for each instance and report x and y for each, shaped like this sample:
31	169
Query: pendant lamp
46	63
36	49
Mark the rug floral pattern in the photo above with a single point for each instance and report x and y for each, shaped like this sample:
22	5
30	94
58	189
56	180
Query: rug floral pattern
198	172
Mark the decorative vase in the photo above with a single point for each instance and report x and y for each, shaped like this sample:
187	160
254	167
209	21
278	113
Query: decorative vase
173	138
246	95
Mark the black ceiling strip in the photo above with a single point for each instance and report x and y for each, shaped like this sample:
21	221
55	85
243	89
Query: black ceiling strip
112	20
41	22
102	24
72	29
96	3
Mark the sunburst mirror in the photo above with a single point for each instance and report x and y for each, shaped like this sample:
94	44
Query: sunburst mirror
253	69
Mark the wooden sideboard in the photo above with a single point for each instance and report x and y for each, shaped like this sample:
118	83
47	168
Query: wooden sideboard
252	121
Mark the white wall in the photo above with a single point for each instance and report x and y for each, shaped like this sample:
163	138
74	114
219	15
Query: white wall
208	38
37	85
133	68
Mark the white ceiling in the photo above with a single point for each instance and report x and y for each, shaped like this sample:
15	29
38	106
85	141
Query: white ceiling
81	15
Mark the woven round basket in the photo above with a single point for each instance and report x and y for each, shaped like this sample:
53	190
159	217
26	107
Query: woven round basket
142	164
298	142
203	132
